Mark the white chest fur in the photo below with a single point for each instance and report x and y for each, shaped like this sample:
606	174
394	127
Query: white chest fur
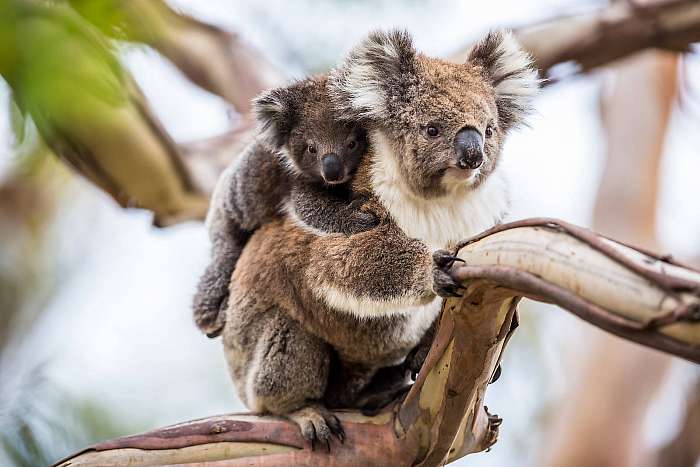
438	222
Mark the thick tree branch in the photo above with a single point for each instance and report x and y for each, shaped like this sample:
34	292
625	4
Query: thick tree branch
634	294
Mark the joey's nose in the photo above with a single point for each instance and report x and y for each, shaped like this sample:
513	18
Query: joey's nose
469	148
331	168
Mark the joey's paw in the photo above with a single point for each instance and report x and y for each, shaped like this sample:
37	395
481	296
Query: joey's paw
318	425
362	221
444	284
210	315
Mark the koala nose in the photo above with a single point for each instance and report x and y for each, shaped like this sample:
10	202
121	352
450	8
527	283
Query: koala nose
469	148
331	168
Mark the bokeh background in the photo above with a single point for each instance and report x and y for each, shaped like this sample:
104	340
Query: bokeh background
96	335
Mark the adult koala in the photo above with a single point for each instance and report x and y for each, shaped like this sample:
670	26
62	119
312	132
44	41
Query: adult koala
313	316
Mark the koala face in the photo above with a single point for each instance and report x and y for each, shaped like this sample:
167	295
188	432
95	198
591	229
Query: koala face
445	123
299	122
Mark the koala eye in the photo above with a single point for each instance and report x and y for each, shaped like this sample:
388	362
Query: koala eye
352	144
489	130
432	131
311	149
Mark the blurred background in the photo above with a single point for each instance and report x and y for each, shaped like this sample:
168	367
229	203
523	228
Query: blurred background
101	97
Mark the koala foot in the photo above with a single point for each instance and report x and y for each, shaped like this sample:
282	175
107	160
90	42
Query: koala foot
210	316
375	403
496	374
444	285
318	424
415	360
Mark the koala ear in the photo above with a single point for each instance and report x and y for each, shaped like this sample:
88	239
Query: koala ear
374	72
512	73
276	113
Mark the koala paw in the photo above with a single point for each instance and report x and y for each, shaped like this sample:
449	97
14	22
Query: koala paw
415	359
318	424
362	221
358	219
210	315
444	284
496	374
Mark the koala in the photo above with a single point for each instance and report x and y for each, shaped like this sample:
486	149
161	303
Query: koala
300	162
314	317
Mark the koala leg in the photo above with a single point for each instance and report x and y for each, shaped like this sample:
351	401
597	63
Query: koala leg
285	374
387	385
211	299
346	383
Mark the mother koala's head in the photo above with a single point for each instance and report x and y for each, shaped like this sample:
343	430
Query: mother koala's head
443	122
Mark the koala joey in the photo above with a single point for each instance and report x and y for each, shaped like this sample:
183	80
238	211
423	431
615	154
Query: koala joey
301	163
314	317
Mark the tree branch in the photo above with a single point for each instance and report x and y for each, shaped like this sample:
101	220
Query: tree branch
214	59
120	146
612	32
632	293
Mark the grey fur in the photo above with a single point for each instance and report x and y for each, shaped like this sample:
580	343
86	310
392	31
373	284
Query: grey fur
274	168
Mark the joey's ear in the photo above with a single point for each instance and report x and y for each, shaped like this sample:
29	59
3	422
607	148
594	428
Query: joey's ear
374	75
512	73
276	112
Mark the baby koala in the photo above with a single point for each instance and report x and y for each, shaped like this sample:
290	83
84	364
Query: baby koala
300	162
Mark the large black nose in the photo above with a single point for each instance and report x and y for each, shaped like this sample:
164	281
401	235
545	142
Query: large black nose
469	148
331	167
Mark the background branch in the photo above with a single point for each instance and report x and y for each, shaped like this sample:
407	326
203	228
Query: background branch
120	146
214	59
602	36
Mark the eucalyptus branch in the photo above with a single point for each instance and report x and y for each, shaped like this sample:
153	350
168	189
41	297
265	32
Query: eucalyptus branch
637	295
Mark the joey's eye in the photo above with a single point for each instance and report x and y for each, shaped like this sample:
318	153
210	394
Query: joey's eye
352	144
432	131
311	149
489	131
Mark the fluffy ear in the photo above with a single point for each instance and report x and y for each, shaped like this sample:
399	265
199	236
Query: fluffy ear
276	112
374	72
512	73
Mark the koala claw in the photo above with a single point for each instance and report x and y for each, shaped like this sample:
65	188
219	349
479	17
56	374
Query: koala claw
444	284
496	374
318	424
445	260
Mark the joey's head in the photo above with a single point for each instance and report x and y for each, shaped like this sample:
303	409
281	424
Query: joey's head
299	122
440	124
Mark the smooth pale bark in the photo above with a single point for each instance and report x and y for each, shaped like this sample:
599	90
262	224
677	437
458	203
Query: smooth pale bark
443	418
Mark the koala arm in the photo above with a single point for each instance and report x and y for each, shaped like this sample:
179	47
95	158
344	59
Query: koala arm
373	273
331	210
